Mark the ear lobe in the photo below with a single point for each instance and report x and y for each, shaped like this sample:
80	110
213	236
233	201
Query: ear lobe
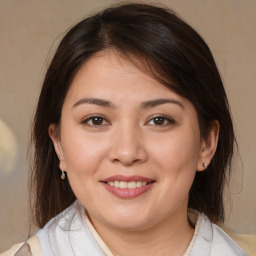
208	146
57	145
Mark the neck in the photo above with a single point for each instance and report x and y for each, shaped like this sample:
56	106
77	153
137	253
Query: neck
169	237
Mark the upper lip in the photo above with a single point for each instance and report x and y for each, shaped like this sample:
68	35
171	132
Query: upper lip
127	178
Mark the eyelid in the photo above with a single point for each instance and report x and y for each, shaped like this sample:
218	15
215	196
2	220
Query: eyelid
168	118
90	117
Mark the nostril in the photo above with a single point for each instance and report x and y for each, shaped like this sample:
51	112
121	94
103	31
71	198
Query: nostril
127	153
126	161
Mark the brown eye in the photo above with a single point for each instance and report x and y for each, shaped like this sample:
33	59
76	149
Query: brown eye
95	121
160	121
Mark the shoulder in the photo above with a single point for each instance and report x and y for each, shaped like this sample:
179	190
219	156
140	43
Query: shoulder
54	237
63	234
12	250
40	241
223	242
29	248
247	242
213	241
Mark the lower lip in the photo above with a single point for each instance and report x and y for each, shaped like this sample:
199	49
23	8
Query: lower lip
128	193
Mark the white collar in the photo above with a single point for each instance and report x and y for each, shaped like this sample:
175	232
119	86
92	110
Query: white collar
71	233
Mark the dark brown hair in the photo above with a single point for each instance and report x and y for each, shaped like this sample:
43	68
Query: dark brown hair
175	54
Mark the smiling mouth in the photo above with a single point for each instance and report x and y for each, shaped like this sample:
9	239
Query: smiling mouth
129	185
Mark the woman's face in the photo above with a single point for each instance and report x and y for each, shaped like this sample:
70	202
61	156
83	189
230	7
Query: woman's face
129	145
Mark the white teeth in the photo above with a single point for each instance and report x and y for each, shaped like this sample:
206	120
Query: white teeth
132	184
138	184
124	184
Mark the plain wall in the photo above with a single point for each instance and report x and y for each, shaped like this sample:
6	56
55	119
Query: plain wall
29	28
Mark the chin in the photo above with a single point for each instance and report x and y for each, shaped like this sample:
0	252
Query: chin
129	220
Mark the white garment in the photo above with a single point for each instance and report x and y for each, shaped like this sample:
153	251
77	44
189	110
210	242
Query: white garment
71	234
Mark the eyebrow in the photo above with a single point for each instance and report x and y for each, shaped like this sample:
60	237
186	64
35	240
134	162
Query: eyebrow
156	102
144	105
94	101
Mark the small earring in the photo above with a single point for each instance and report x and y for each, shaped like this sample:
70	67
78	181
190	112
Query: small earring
204	165
63	175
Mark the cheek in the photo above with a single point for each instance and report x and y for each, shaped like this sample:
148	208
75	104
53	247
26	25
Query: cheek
177	149
84	158
177	159
82	153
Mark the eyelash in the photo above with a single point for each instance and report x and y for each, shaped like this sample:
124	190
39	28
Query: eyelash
167	121
87	120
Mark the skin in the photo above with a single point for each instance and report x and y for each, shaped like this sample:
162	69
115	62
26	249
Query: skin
129	140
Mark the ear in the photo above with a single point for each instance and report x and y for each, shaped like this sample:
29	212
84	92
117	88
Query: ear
55	137
208	146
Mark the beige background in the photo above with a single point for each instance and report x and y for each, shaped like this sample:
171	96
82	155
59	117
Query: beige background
28	29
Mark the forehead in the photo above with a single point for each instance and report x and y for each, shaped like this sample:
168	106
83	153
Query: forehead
108	74
108	80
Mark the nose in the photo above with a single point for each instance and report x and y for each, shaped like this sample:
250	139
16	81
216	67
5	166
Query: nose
128	147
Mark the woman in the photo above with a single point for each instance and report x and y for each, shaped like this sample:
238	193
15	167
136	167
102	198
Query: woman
133	141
